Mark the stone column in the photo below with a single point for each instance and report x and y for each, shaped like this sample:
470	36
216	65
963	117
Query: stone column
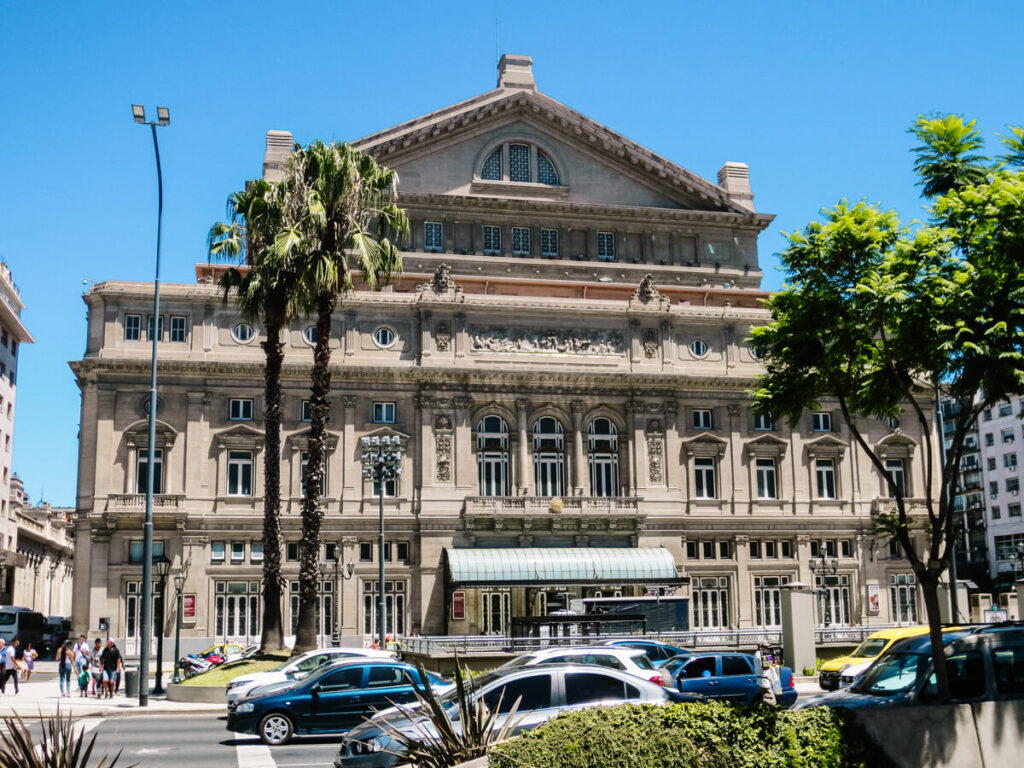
465	471
351	470
669	411
798	650
668	344
738	496
425	333
579	457
636	439
524	486
744	607
351	333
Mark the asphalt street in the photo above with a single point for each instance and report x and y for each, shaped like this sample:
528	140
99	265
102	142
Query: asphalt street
198	741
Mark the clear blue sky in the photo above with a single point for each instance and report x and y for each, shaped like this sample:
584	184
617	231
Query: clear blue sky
815	96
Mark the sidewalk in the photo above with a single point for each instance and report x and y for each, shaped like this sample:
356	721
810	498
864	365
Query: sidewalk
41	697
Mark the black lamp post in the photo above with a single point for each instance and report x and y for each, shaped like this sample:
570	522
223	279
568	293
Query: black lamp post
823	566
179	585
163	116
162	566
333	567
382	461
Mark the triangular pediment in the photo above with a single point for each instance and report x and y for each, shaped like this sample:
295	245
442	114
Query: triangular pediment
388	432
705	444
299	440
826	445
895	444
767	445
439	153
239	435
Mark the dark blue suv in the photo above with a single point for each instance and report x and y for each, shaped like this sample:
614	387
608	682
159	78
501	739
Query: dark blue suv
331	700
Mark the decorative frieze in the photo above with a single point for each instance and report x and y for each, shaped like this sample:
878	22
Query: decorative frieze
555	341
443	336
655	451
443	453
651	343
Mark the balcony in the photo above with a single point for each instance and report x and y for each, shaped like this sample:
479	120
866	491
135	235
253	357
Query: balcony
129	502
888	506
579	514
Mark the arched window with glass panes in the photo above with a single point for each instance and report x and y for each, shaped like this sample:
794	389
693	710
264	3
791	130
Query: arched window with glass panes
492	456
525	163
603	457
549	457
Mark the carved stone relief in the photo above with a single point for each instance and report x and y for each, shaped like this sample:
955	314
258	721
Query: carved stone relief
442	283
443	422
647	291
443	451
651	343
654	458
443	336
566	341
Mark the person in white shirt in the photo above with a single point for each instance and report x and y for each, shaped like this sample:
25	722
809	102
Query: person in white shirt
10	666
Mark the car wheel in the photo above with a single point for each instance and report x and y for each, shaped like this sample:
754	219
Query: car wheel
276	729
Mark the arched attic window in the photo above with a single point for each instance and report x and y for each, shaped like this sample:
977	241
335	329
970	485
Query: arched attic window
526	163
492	166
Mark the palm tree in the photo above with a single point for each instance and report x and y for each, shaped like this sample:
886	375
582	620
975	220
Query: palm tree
338	201
944	157
265	291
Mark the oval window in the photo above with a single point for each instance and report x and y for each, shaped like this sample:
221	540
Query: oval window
383	337
243	332
310	334
699	347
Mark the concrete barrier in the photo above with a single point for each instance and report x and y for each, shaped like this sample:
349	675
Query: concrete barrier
198	694
988	734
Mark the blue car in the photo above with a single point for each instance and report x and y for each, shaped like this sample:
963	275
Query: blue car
730	677
657	652
330	700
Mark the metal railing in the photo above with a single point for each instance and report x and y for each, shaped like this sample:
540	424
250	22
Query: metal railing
539	505
133	501
442	645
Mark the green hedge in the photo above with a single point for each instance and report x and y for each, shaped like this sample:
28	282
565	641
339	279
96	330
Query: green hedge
693	736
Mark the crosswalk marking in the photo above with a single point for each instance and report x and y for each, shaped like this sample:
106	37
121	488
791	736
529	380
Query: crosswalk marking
252	753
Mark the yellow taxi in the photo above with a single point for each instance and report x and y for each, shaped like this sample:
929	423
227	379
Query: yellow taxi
872	647
230	651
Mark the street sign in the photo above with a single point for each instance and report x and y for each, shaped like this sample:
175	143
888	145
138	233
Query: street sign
458	605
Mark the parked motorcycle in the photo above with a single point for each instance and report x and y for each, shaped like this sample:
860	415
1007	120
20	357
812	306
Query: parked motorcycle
193	665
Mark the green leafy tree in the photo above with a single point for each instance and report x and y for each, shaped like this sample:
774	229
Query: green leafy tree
947	157
264	288
338	202
880	317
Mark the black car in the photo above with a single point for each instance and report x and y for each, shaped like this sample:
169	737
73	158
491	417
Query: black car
331	700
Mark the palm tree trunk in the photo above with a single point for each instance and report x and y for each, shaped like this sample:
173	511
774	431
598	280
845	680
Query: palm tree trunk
273	629
312	513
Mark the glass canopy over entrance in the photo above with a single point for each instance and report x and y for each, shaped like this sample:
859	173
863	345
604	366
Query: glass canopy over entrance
538	566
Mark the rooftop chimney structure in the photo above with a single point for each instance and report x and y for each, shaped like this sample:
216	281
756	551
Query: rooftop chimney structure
734	178
279	146
516	71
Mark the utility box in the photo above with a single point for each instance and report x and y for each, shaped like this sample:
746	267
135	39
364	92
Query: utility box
131	682
798	648
962	602
980	602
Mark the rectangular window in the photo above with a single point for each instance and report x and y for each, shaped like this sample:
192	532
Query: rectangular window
256	551
492	240
217	551
303	461
1010	461
402	551
764	422
702	419
1007	545
895	552
987	415
1005	409
239	473
768	600
895	469
520	241
725	550
606	246
704	478
846	548
1013	486
1008	436
766	479
770	552
519	162
989	440
549	243
306	411
331	551
433	236
825	472
292	551
365	552
830	548
132	327
787	548
390	488
387	551
710	600
692	552
1013	510
240	410
755	549
821	421
708	548
135	550
159	328
903	596
991	462
237	551
142	475
993	488
178	331
995	514
383	413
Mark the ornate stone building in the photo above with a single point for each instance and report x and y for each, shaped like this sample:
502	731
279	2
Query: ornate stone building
42	578
564	361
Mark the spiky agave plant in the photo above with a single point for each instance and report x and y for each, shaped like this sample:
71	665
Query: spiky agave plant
60	745
434	741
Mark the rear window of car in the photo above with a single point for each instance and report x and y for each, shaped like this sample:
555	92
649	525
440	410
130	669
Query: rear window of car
342	679
700	668
534	692
736	665
382	677
1008	664
870	648
643	662
585	687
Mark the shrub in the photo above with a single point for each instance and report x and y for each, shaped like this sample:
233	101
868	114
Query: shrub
709	735
60	745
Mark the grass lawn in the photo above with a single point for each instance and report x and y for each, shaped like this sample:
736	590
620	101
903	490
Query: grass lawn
225	673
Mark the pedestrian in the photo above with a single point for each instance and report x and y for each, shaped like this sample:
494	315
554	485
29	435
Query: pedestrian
95	664
65	665
81	650
112	666
83	681
10	666
3	661
29	657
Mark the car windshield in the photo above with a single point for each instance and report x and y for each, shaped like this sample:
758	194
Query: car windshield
642	661
893	673
7	618
870	648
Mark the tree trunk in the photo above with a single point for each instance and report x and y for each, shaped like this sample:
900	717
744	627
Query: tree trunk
930	589
272	638
312	513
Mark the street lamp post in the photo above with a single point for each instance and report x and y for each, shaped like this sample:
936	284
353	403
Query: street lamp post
179	585
823	566
162	566
333	567
382	462
163	118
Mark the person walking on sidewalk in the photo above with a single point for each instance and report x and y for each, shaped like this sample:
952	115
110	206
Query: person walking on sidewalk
9	669
3	663
65	665
81	650
29	657
112	666
96	665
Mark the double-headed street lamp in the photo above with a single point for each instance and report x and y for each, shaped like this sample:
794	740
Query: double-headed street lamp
179	585
163	117
382	462
823	566
333	567
162	566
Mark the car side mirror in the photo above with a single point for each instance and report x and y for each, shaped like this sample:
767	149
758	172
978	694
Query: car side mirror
315	690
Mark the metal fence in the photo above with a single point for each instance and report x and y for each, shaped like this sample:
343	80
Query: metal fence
716	639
